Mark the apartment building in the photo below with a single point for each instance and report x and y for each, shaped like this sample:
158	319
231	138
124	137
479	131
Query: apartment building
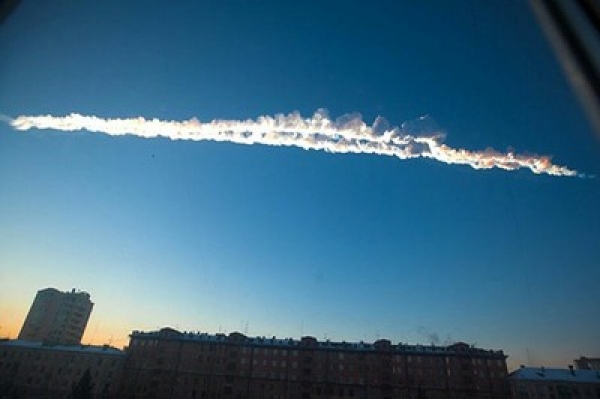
553	383
35	370
57	317
173	364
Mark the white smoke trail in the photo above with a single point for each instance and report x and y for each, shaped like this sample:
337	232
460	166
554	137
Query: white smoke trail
348	134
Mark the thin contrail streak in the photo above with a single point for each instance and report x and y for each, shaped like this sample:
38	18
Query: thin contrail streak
319	132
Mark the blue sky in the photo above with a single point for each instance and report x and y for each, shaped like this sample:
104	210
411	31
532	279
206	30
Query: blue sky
216	236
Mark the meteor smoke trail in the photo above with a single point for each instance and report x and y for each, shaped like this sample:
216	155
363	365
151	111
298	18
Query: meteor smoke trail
348	134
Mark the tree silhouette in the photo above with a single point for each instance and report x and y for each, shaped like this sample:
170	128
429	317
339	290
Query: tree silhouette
83	389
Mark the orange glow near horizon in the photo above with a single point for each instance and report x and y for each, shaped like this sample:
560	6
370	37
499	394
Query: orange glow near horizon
118	339
97	332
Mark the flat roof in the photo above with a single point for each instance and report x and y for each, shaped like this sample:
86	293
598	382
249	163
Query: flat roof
103	349
459	348
555	374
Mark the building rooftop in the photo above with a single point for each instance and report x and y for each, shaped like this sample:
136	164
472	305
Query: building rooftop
554	374
311	342
105	349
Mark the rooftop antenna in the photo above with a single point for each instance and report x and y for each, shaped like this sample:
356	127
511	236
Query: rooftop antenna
246	328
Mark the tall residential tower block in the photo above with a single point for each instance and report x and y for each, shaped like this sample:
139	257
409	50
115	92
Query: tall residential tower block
57	317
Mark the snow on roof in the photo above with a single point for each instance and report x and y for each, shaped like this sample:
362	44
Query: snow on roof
552	374
104	349
457	348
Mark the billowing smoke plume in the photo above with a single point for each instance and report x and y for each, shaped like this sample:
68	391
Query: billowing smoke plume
348	134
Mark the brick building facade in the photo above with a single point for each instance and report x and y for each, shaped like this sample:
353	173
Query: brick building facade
171	364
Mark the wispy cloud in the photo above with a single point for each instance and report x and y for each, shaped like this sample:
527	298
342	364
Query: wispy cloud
347	134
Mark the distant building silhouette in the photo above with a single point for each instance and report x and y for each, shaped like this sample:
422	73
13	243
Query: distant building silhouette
172	364
57	317
587	363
